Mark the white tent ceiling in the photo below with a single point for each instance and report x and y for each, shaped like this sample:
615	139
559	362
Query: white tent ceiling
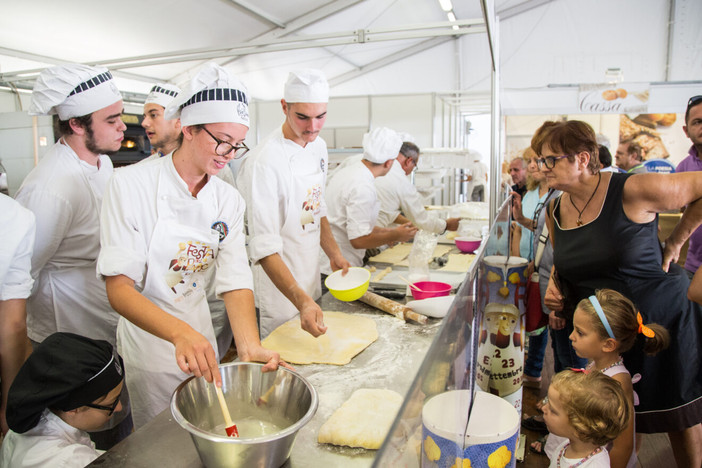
541	42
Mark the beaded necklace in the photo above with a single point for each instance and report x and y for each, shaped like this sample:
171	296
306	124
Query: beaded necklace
619	362
562	453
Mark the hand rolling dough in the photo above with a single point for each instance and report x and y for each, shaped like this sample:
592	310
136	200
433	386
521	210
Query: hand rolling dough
346	336
363	420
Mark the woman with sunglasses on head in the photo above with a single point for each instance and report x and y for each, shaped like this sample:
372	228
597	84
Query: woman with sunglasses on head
605	235
69	385
164	224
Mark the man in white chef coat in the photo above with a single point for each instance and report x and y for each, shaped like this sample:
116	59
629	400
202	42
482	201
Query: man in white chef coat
17	227
282	181
352	202
165	135
399	199
64	191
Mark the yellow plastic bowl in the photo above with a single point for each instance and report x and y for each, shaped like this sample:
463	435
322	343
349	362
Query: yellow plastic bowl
350	287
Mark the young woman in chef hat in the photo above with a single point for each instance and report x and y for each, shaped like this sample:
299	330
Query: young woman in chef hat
164	224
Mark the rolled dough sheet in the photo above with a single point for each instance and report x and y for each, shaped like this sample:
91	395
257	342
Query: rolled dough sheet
346	336
459	263
363	420
394	254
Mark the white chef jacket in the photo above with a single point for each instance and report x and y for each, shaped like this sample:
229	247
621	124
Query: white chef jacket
398	195
283	184
65	194
220	319
346	162
352	211
479	173
130	218
17	227
52	443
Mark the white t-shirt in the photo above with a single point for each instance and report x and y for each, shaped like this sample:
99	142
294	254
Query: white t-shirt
352	210
599	460
17	227
397	194
51	443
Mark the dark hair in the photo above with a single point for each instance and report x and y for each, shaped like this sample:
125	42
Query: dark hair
605	156
197	127
634	149
570	137
410	150
694	101
63	127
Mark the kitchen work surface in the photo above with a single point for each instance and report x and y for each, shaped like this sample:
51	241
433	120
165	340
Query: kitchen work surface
391	362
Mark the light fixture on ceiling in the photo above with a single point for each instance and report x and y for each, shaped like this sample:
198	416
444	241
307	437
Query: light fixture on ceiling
452	18
446	5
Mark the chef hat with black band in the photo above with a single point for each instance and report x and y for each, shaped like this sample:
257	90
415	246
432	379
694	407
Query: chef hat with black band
307	85
65	371
381	144
73	90
162	94
211	96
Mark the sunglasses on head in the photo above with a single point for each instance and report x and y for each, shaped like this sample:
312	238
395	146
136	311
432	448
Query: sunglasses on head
694	100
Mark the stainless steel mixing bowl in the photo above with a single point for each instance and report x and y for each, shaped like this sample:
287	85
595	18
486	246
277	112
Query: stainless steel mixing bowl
283	398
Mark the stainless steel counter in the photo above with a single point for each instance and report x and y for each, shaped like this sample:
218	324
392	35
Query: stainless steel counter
391	362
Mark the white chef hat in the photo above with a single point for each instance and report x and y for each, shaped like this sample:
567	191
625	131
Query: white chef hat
162	94
307	85
381	144
211	96
73	90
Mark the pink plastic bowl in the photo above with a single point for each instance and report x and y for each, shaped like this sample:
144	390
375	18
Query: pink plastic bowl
467	244
430	289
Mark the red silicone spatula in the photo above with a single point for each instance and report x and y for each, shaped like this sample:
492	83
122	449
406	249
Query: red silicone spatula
231	429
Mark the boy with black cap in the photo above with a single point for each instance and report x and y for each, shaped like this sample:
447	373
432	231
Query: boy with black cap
69	385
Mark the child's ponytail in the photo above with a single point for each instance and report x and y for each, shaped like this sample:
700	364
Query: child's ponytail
656	336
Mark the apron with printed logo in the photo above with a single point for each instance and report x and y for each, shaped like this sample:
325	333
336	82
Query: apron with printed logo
300	233
179	256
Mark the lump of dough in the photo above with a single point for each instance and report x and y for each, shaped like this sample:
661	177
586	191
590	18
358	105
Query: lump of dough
346	336
363	420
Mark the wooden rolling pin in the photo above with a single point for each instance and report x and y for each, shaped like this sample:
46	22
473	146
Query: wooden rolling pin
393	308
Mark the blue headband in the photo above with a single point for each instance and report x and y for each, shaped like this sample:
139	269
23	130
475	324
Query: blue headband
598	308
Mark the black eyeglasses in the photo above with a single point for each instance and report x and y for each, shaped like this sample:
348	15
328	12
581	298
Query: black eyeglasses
223	148
549	161
694	100
111	408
